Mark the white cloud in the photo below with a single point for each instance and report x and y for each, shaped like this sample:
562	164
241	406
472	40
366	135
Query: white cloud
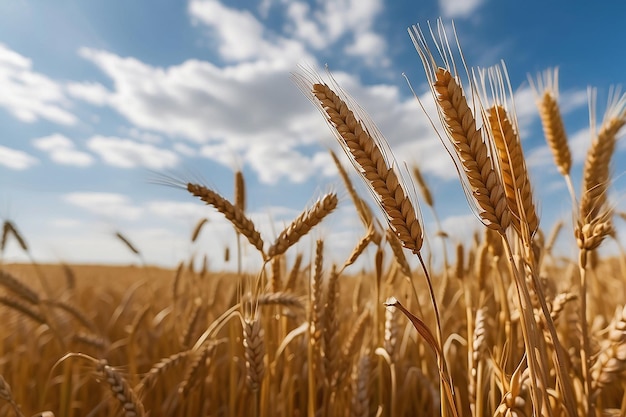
28	95
111	205
335	20
91	92
125	153
62	150
459	8
168	209
147	137
16	159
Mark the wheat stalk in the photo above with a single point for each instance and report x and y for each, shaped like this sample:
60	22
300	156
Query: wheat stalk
331	327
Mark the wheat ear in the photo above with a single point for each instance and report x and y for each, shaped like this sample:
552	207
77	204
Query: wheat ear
364	146
254	352
303	224
612	358
426	194
473	154
513	169
121	390
198	228
127	243
18	288
360	388
596	171
240	191
7	395
9	228
362	208
161	367
195	368
242	224
22	307
546	91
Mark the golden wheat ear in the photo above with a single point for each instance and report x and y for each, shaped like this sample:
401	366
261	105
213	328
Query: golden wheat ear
500	121
597	168
468	145
369	153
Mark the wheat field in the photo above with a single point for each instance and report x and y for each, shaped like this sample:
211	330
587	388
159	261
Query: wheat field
505	327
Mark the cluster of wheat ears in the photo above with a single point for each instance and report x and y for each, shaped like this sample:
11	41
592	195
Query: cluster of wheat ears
523	332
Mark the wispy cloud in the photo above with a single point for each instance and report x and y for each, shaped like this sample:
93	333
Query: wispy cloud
459	8
91	92
16	159
28	95
109	205
62	150
126	153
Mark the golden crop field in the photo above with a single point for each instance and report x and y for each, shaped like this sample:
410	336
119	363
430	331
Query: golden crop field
506	327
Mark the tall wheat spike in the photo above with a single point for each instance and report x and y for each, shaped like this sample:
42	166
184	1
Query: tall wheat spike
546	90
596	172
365	147
469	146
514	173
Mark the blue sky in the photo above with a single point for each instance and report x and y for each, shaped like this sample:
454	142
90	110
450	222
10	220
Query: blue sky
97	98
